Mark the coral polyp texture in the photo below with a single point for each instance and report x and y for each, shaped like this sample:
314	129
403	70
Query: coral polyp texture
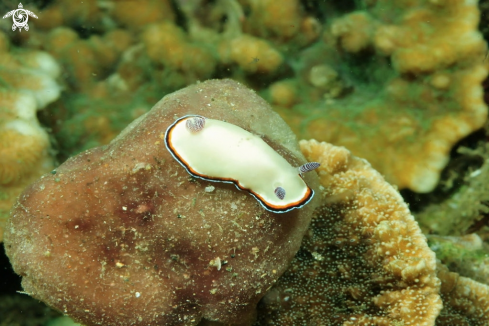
123	235
364	260
412	74
465	301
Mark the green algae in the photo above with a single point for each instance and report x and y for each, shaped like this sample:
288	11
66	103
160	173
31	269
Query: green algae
466	255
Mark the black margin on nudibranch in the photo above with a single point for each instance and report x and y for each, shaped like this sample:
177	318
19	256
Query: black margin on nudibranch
263	203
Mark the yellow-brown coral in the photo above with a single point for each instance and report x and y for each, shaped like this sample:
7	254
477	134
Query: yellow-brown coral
364	260
465	301
353	31
252	54
87	60
29	84
167	44
22	141
24	148
283	93
415	87
137	14
279	19
85	13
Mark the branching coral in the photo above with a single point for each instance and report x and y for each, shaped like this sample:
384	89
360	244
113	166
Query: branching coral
252	54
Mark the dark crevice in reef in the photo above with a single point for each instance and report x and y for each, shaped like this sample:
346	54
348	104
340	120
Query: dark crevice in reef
452	176
18	308
9	281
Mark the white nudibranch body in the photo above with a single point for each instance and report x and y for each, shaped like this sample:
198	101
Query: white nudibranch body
222	152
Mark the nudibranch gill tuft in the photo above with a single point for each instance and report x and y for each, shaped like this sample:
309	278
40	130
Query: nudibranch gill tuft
218	151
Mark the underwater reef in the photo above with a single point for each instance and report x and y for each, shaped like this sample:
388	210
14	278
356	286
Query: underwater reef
401	85
140	241
160	246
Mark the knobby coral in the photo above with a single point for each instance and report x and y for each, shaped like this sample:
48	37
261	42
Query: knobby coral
364	260
408	79
405	75
27	84
465	301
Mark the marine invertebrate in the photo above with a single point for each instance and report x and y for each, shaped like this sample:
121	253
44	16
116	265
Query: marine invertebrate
283	93
167	44
32	73
353	31
141	242
79	14
363	260
412	111
282	22
24	148
87	61
23	143
470	199
464	300
215	150
271	18
137	15
252	54
28	85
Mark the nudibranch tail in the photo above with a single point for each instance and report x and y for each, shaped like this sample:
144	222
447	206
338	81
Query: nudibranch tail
307	167
195	124
223	152
280	192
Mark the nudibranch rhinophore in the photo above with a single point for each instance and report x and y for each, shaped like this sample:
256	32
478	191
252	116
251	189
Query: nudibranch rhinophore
218	151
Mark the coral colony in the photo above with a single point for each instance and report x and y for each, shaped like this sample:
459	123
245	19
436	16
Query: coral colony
184	197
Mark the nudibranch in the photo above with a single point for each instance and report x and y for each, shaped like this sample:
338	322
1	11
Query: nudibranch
218	151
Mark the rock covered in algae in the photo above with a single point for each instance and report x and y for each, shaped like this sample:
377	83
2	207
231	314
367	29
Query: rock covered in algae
122	235
364	260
